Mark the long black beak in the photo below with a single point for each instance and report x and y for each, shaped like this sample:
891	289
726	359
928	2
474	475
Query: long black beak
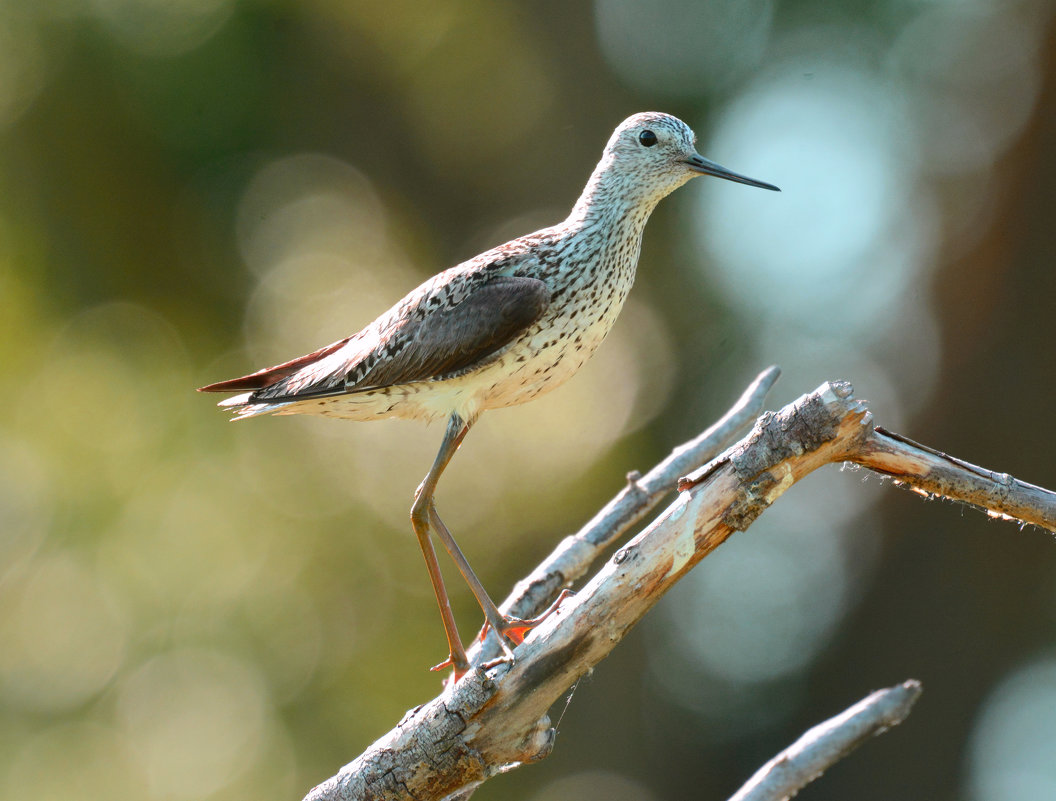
698	163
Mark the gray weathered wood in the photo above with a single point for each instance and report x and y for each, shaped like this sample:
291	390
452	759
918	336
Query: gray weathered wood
829	742
574	555
496	717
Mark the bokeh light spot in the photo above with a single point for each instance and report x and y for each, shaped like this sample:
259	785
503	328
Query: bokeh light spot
758	611
130	374
197	720
26	500
308	203
88	761
680	47
840	157
62	635
162	28
1012	744
23	62
599	784
972	83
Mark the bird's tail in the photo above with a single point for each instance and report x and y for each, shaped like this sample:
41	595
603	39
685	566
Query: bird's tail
243	406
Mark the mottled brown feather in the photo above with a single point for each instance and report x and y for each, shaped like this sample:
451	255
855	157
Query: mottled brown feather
440	344
448	342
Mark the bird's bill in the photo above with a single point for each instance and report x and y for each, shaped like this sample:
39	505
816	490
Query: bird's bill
698	163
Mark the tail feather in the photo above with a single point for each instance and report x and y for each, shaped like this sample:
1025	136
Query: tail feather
236	400
257	409
270	375
244	407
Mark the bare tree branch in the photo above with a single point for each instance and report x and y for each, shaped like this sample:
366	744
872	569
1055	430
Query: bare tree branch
931	472
574	555
495	717
829	742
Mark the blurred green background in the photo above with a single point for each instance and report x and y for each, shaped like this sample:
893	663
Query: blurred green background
192	189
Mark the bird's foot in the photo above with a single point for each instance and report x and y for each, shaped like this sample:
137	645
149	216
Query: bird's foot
514	629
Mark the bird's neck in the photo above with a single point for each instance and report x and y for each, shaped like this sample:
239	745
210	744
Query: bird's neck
613	202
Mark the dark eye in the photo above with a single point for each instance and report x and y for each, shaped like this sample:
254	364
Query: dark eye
647	138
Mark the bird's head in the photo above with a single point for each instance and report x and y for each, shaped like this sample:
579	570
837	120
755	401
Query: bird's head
659	152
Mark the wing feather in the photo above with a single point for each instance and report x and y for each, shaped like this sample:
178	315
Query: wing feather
424	337
451	341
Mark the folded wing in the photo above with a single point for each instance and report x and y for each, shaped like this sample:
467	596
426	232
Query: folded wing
429	340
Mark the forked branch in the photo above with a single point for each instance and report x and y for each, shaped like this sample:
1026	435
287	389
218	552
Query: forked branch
495	717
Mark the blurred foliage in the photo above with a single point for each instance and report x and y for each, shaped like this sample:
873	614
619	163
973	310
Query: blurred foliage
193	189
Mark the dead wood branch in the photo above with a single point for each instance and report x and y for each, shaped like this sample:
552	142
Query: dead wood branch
574	555
931	472
495	718
827	743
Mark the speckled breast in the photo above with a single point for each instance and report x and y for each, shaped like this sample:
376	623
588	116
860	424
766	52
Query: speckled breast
586	306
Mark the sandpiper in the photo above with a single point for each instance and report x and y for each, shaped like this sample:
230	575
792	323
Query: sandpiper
497	330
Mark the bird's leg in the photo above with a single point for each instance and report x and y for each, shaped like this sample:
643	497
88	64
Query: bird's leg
456	659
491	612
424	516
507	627
423	502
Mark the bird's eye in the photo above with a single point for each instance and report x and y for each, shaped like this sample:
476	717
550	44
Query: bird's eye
647	138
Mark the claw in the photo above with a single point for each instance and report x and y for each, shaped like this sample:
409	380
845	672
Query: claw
459	668
447	663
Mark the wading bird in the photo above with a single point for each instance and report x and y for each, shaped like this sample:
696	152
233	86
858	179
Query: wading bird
497	330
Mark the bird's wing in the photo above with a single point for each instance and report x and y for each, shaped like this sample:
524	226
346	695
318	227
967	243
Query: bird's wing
444	342
428	335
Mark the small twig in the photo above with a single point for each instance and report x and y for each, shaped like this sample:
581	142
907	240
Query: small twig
829	742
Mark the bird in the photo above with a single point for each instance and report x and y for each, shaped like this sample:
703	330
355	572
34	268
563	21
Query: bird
495	331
